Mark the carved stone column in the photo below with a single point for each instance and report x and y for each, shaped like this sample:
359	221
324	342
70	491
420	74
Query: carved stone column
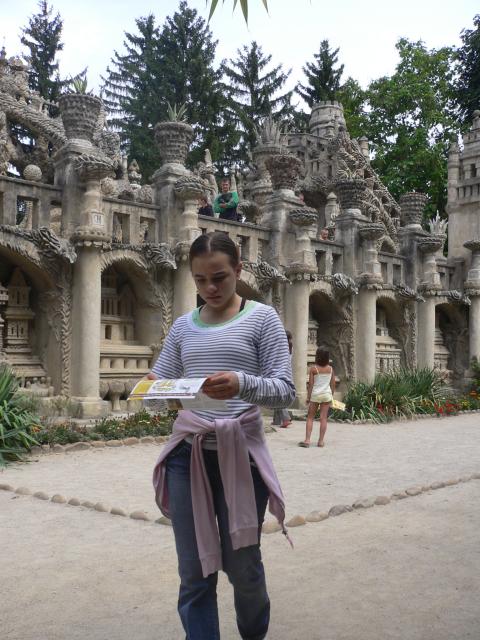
302	219
3	303
86	310
366	335
188	189
472	289
296	314
426	332
429	246
369	234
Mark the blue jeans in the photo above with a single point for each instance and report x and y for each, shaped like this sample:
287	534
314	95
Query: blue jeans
197	602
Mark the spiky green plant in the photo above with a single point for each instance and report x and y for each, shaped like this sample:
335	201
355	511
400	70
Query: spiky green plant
16	421
177	114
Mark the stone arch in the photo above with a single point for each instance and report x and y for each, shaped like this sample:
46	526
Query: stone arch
29	325
392	331
451	340
331	326
135	315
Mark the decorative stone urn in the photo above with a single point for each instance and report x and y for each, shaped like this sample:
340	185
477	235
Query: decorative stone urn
189	188
261	153
79	112
350	192
373	231
284	170
412	205
303	217
173	140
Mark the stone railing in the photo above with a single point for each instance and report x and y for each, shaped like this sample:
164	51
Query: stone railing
393	268
329	257
131	222
42	198
251	238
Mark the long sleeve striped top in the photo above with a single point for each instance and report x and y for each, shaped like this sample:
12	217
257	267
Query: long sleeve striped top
253	344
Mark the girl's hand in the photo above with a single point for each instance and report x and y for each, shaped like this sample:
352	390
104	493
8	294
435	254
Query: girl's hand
151	376
222	385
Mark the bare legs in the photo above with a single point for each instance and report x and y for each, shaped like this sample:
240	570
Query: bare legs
312	410
324	407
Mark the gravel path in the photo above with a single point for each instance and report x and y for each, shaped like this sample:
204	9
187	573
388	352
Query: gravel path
357	462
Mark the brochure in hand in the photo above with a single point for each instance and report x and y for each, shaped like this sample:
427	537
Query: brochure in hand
180	393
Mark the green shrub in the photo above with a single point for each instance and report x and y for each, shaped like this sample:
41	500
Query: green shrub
135	425
17	422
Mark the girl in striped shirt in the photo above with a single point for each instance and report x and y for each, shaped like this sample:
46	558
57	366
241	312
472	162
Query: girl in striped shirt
215	477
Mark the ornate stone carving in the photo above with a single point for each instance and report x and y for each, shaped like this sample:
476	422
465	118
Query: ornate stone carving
372	231
284	170
80	113
429	244
343	284
159	255
350	192
190	188
407	293
457	297
93	166
32	173
412	205
173	140
303	216
265	274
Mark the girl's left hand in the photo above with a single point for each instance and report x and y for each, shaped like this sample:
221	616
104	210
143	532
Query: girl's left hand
221	385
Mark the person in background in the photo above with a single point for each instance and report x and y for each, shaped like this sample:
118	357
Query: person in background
324	234
281	417
321	386
204	207
225	204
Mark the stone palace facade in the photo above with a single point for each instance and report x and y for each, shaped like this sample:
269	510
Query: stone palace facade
93	261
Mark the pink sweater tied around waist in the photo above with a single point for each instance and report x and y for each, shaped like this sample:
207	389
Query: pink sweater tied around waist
236	439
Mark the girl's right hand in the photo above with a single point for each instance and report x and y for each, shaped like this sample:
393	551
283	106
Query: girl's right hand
151	376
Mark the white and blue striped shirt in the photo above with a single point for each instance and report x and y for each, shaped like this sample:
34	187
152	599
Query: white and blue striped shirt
253	344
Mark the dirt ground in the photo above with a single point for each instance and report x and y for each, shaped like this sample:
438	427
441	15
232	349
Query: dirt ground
408	570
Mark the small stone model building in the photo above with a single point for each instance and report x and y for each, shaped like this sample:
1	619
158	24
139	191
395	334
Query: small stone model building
93	260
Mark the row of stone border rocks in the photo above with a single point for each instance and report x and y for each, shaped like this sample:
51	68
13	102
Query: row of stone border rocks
272	526
76	502
269	526
95	444
415	416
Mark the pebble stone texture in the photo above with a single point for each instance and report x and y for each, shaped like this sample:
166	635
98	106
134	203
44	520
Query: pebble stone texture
358	465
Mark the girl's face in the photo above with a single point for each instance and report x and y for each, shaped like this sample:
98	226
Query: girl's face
215	278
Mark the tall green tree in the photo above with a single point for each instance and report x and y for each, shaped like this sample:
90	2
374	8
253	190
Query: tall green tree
412	117
323	76
468	58
42	37
188	76
253	92
131	92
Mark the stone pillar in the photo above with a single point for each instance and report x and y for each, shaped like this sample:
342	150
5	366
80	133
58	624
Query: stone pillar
429	246
426	333
472	289
188	189
370	233
296	314
86	309
366	333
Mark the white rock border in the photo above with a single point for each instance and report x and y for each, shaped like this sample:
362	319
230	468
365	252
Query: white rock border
94	444
269	526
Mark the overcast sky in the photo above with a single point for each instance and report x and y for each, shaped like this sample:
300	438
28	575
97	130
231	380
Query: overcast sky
366	31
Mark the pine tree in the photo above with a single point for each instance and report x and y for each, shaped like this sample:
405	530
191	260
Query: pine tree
468	58
254	92
323	79
187	52
42	37
131	93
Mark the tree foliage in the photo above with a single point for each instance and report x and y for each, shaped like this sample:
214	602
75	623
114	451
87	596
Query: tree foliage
323	77
468	58
42	37
254	90
412	117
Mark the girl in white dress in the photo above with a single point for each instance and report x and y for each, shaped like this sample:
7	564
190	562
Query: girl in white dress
321	387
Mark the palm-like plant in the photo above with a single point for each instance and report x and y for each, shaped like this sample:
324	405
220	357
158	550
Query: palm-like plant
16	421
243	5
175	113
